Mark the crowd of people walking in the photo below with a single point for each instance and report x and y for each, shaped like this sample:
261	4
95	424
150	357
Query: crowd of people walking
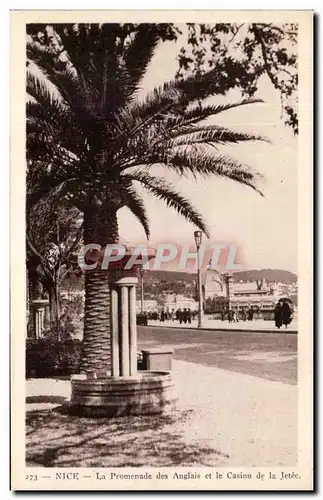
283	315
236	316
183	316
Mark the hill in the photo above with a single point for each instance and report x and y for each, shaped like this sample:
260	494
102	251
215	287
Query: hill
270	275
169	276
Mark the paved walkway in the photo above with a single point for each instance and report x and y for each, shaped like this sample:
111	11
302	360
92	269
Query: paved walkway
262	354
221	418
251	420
216	324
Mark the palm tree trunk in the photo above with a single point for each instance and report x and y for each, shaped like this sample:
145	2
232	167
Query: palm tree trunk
100	227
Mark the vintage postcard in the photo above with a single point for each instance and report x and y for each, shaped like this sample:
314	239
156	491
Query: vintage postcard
161	250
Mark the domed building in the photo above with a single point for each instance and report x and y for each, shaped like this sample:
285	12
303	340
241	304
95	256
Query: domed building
222	292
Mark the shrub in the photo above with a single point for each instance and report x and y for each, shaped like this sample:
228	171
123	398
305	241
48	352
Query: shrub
47	358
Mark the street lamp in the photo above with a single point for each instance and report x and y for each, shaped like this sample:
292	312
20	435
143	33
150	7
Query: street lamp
198	241
142	273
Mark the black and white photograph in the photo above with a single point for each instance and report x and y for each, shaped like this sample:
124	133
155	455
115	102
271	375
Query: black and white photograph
161	305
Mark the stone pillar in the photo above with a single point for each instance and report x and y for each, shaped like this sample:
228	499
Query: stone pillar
115	353
133	330
123	326
39	322
124	331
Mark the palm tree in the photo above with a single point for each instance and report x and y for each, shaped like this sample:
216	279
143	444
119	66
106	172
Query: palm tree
84	118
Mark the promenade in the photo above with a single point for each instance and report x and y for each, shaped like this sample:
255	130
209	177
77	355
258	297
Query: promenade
237	406
257	325
222	418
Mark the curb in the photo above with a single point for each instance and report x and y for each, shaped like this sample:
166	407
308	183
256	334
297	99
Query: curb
238	330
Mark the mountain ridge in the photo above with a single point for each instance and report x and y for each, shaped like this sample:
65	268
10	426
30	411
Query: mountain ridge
271	275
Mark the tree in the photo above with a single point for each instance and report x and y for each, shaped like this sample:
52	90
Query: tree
53	233
100	142
240	54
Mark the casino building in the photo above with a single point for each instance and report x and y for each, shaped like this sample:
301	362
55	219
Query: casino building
222	292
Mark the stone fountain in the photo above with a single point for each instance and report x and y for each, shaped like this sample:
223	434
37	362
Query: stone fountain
123	390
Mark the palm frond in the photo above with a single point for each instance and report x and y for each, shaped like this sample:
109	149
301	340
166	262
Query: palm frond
62	75
46	121
136	205
42	147
141	51
96	52
42	90
200	161
162	109
77	44
200	112
190	89
166	192
210	134
155	104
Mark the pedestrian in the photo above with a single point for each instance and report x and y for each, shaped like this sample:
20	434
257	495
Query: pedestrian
179	314
278	315
286	313
189	316
162	316
185	315
250	313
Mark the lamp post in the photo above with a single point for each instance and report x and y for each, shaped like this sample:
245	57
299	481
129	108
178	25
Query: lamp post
142	272
198	241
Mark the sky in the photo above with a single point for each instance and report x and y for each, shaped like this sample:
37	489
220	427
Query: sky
264	228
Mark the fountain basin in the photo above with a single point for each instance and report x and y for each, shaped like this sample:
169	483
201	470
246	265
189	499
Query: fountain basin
147	393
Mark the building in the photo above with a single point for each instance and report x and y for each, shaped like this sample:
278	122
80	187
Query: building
173	302
168	302
222	293
149	305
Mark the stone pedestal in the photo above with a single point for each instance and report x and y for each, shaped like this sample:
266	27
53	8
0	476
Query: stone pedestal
157	359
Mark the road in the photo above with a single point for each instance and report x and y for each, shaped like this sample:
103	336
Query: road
272	356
